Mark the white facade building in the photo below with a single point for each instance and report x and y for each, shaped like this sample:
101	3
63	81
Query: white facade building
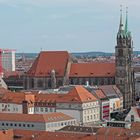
46	122
80	104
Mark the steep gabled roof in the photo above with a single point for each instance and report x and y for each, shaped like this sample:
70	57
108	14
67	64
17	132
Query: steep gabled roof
48	61
92	70
78	94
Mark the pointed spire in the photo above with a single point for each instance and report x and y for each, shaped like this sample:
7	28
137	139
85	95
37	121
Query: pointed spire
126	22
121	21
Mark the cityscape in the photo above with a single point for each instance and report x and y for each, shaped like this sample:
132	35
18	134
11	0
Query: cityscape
64	94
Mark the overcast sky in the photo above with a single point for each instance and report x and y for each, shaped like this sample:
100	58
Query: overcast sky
73	25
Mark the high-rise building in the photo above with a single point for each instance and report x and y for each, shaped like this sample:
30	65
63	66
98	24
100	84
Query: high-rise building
8	60
124	78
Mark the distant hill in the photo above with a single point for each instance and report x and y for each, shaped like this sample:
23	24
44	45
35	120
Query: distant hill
96	54
137	52
78	54
27	55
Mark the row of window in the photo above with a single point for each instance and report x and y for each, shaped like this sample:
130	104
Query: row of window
42	109
60	124
40	83
95	110
90	104
92	81
91	117
7	108
44	104
17	125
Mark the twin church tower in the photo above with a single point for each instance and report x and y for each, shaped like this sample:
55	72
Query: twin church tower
124	78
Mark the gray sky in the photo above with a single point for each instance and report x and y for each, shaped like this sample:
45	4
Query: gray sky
73	25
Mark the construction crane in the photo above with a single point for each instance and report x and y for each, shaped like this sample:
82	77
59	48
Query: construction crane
2	51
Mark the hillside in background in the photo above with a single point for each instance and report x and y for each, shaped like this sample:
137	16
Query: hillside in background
78	54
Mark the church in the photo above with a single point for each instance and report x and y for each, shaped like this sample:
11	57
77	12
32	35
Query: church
53	69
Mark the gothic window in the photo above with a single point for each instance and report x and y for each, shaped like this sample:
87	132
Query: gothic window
32	83
96	81
49	83
90	81
40	83
102	81
60	83
83	81
72	82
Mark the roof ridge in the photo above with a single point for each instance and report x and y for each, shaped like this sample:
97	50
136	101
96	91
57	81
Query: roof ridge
37	63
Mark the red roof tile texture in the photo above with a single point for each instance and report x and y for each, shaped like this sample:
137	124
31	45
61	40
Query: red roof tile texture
36	118
16	98
92	70
102	134
100	94
78	94
6	135
47	61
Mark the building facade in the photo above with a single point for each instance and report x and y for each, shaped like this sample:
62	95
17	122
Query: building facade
40	122
77	103
58	69
8	60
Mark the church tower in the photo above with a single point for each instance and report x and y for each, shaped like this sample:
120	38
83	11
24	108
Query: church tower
124	73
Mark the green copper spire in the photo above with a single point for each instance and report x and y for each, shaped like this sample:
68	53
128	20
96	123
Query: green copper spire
126	22
121	32
127	33
121	21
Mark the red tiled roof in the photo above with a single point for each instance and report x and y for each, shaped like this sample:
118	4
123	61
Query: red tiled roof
100	94
49	60
102	134
111	90
92	70
43	135
16	98
78	94
50	117
6	135
4	91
